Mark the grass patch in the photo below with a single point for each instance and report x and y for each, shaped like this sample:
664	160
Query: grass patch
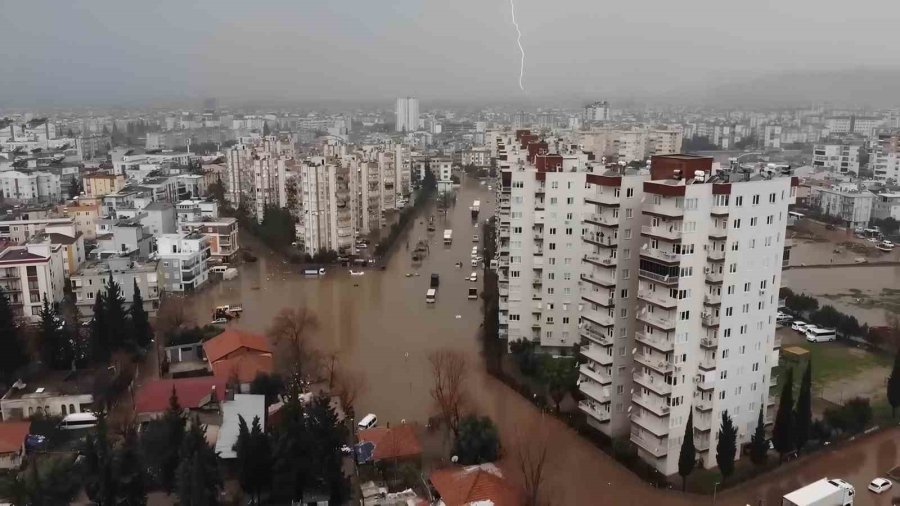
833	362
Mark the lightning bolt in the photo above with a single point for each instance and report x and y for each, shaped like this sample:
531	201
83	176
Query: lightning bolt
512	6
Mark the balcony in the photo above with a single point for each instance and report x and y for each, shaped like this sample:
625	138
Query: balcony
661	321
709	343
595	373
715	277
539	205
596	336
709	319
604	240
702	404
712	299
538	238
648	381
652	402
663	256
595	391
591	409
701	444
603	198
708	363
606	220
598	298
715	255
596	354
656	363
600	280
659	297
653	447
604	319
659	278
706	382
666	208
600	260
661	343
672	232
718	232
719	210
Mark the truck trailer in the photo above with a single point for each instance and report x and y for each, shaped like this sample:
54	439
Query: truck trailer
825	492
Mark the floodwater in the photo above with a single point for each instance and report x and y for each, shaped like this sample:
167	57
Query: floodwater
379	325
870	279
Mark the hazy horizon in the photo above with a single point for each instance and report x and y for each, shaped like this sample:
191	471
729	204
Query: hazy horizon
110	53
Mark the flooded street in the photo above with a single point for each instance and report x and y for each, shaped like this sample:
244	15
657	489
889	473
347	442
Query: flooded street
379	325
870	280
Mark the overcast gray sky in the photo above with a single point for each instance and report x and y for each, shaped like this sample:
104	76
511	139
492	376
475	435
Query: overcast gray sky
109	51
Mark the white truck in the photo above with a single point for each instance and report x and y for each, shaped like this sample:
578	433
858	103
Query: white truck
825	492
448	236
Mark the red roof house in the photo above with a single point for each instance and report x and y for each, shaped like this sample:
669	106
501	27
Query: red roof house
240	354
392	443
193	393
459	486
12	443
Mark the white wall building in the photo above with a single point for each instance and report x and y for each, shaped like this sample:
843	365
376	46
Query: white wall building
407	114
853	207
838	158
183	261
30	273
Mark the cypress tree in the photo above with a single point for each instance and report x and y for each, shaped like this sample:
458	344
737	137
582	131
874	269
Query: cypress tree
12	351
130	472
57	351
893	385
759	447
803	413
687	458
726	446
100	346
783	432
140	321
199	481
116	323
100	483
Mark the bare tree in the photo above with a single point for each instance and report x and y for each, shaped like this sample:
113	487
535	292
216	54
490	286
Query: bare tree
171	316
348	385
533	455
291	331
449	369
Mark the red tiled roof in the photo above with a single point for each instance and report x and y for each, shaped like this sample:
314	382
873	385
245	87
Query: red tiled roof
394	442
154	396
245	367
232	340
12	436
464	485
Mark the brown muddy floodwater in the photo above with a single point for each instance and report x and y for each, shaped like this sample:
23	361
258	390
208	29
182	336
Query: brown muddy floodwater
840	280
379	325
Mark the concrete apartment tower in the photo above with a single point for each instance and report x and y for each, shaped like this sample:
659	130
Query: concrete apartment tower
407	114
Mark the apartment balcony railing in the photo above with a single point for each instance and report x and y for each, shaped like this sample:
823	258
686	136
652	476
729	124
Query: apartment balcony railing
665	209
605	240
710	320
595	373
713	299
654	403
653	383
661	343
718	232
669	232
665	322
659	278
606	220
657	364
708	363
658	297
602	318
715	277
605	280
715	255
595	335
603	198
595	392
702	404
658	254
593	410
652	447
709	342
604	299
601	260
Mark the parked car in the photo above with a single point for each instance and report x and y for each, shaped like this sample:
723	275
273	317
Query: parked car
799	326
879	485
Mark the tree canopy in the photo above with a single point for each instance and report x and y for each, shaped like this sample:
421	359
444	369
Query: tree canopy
478	441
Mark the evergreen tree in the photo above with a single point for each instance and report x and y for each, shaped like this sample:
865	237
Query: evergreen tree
56	349
12	350
893	385
130	472
759	447
803	413
140	321
687	458
199	481
265	130
116	323
726	447
783	432
161	441
100	482
100	346
254	458
478	441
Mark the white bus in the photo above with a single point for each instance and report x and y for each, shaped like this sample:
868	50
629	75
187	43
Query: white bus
77	421
817	335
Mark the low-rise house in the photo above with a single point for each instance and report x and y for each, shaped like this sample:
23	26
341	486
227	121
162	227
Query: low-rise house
391	443
159	218
240	355
482	484
12	443
183	261
197	395
85	216
122	237
54	393
852	206
244	406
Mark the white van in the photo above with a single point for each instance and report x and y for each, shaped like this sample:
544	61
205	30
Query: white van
431	296
817	335
474	276
369	421
218	269
77	421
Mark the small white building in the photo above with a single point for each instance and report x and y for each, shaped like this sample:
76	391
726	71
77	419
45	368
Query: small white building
183	261
53	393
246	406
853	207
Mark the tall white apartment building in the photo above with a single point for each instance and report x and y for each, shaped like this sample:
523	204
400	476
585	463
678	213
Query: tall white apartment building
255	173
671	290
407	114
710	271
30	186
838	158
597	111
31	273
327	217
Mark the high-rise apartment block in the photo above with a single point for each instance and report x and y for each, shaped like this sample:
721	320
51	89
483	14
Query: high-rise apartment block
407	114
838	158
666	279
255	174
597	111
